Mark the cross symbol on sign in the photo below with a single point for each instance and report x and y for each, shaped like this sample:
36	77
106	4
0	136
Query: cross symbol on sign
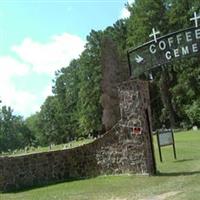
195	19
154	34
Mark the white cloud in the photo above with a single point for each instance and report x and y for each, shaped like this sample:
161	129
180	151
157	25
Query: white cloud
21	101
25	102
124	12
131	2
35	57
47	91
10	67
51	56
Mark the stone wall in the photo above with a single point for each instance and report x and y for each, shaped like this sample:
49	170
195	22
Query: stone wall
120	150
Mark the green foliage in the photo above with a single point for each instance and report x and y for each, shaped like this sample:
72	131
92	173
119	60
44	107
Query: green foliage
14	134
193	112
179	13
66	91
145	15
89	108
75	109
186	91
50	120
34	125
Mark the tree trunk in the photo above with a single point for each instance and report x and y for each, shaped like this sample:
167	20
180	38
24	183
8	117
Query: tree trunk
167	98
114	71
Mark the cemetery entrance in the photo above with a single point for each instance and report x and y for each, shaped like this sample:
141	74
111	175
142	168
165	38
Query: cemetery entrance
159	53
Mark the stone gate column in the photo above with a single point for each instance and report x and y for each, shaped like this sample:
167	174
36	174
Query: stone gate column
135	115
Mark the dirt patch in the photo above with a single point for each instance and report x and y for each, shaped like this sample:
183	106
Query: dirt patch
118	199
162	196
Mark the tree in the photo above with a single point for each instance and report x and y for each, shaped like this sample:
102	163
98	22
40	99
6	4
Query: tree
89	106
111	77
186	88
66	90
34	125
14	134
51	122
145	15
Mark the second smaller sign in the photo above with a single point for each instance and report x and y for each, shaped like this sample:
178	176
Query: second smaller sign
165	137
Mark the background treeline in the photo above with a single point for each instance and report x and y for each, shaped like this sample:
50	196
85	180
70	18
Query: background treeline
75	108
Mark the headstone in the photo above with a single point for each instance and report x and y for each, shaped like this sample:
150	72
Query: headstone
195	128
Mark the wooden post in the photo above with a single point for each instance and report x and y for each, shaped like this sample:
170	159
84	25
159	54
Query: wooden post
159	149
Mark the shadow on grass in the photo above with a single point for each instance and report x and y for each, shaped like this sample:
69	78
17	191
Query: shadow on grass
184	160
42	185
178	173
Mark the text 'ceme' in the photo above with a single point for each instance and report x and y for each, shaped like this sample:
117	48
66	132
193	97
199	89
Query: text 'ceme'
178	45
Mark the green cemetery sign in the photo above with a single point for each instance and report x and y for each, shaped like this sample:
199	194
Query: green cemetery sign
162	50
165	137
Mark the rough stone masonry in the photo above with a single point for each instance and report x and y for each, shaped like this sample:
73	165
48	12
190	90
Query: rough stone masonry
123	149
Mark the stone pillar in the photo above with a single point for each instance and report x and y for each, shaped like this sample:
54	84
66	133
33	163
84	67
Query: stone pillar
135	115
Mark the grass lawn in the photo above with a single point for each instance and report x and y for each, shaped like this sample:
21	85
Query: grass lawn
177	180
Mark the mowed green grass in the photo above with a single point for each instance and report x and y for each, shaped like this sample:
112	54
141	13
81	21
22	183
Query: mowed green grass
177	179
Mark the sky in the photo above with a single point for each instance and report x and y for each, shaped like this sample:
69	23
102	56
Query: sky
38	37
